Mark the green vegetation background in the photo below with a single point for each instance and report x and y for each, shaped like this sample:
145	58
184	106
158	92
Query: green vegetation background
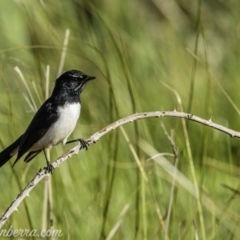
144	54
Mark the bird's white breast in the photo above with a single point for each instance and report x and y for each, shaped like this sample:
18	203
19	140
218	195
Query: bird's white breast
63	127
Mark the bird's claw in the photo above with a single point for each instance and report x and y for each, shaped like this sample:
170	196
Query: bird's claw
84	144
49	168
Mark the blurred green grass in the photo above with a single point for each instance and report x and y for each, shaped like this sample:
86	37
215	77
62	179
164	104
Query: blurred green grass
132	47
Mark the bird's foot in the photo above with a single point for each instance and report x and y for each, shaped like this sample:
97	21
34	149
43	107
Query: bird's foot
84	144
49	168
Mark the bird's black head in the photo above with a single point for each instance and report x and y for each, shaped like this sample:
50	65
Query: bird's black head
73	81
69	86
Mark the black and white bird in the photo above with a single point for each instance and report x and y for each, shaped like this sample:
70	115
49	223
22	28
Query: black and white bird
54	121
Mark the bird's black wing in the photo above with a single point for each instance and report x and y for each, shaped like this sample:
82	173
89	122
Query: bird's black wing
41	122
31	155
10	151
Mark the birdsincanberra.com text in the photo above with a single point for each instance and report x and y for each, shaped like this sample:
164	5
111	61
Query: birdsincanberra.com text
24	232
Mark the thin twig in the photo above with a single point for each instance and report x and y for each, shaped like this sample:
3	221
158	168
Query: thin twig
171	196
95	137
64	51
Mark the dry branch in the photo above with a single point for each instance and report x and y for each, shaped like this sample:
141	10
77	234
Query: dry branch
95	137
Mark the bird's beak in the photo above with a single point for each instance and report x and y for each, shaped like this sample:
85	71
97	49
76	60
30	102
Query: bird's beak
90	78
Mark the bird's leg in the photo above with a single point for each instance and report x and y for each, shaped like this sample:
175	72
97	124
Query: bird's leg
84	144
49	166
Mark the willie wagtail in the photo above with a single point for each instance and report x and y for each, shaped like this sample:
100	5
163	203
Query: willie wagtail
54	121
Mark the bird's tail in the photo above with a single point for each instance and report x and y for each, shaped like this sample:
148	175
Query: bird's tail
9	152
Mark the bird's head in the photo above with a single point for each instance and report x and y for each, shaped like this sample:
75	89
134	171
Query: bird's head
72	81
